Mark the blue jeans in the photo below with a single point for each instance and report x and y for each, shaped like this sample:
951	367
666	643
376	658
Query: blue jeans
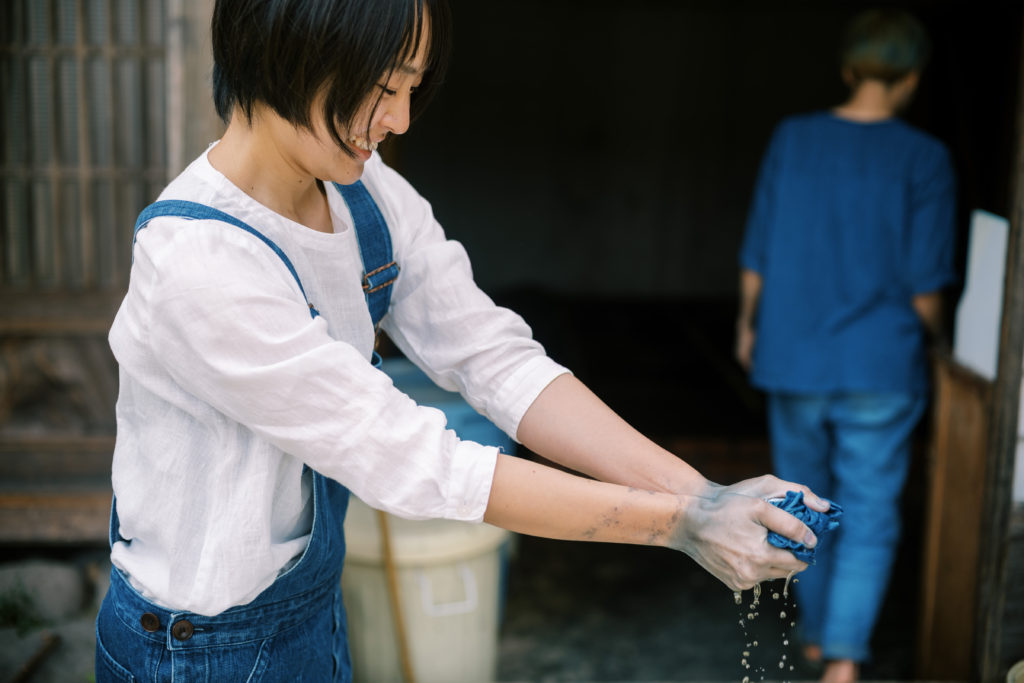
853	449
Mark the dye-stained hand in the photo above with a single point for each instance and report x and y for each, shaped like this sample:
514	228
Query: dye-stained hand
726	530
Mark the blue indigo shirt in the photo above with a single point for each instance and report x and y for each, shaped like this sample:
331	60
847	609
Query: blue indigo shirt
849	221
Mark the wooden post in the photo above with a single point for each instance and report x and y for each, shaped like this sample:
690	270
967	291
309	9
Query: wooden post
956	488
994	532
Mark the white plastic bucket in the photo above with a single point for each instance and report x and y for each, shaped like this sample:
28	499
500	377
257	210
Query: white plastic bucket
449	578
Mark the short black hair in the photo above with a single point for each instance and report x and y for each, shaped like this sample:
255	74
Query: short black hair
885	45
284	53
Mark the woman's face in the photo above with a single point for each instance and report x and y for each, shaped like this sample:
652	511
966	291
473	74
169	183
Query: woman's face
384	112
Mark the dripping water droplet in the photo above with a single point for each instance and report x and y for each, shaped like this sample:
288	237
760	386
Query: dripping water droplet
785	588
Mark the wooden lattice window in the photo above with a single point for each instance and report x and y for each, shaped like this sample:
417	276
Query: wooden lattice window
83	144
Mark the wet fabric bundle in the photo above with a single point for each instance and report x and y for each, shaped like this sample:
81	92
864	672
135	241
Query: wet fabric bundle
818	522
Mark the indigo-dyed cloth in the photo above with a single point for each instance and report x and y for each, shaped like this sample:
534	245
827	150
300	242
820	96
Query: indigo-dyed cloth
818	522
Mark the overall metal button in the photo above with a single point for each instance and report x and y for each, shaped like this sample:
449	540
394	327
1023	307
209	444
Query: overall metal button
150	622
182	630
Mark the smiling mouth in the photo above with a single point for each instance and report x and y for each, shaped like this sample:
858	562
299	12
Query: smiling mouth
363	144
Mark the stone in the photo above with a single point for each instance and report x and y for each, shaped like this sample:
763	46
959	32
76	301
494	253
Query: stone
37	592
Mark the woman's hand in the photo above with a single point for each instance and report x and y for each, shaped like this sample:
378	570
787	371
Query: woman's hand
725	530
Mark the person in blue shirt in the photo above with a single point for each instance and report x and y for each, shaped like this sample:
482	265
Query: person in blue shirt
848	246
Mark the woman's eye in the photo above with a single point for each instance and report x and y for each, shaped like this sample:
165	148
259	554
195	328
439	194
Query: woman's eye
387	90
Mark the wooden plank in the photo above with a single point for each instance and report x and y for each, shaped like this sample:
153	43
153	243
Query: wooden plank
40	313
1003	434
55	489
953	515
55	516
28	461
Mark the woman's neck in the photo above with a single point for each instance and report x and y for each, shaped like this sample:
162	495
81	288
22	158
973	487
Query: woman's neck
254	156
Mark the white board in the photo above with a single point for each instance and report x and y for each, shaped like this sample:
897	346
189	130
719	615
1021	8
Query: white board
978	317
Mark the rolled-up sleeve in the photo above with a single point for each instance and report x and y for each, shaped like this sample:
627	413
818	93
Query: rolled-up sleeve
449	327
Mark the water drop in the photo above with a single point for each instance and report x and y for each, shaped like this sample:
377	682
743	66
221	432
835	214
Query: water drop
782	615
785	588
775	596
738	597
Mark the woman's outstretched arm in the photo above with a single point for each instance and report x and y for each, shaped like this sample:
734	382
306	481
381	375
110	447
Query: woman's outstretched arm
724	531
644	494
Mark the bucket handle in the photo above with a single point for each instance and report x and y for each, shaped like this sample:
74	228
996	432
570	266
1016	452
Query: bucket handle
448	609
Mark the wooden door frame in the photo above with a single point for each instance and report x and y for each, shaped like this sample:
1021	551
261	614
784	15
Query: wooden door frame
1003	431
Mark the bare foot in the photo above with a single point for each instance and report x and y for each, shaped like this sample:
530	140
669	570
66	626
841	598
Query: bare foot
841	671
812	653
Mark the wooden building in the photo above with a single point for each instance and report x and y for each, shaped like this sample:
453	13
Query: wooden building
564	127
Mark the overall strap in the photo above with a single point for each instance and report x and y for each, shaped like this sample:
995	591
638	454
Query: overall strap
379	267
193	211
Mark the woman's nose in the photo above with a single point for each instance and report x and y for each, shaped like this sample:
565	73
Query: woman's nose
396	114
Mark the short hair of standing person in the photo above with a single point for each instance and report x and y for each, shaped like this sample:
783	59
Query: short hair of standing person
288	53
884	45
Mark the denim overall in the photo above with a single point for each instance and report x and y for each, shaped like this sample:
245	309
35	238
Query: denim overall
295	629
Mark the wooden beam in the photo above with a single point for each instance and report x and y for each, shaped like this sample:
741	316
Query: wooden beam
55	516
39	313
1003	434
38	460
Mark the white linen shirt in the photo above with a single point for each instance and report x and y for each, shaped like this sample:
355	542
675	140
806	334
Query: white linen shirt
228	387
